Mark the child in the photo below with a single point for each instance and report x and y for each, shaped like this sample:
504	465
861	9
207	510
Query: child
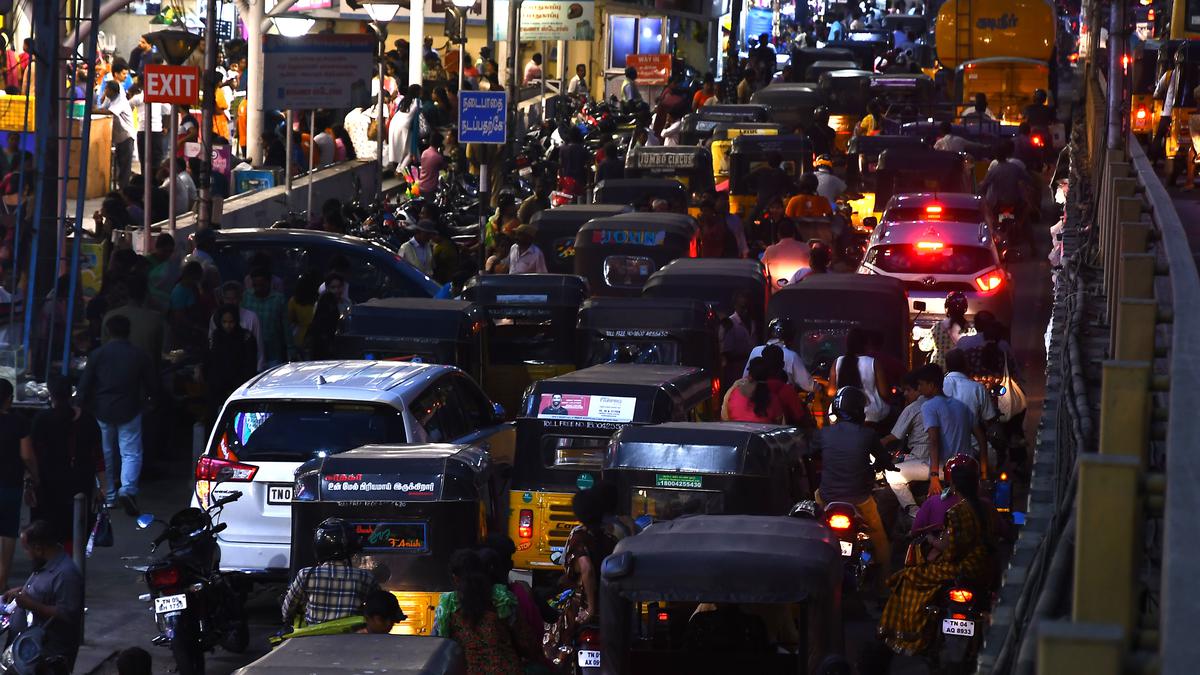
382	612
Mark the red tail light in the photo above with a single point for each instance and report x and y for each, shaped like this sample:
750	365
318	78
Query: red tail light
990	282
220	470
664	617
933	210
929	246
525	524
960	595
1141	112
164	578
694	248
589	636
959	616
716	387
839	521
1038	141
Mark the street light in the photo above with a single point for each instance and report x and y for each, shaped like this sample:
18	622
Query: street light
292	26
175	45
382	12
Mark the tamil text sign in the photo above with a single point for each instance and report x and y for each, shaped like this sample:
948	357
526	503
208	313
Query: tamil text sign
318	71
542	20
172	84
482	117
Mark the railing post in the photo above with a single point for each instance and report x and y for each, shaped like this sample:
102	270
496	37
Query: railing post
1133	332
1106	541
1066	648
1125	408
1136	278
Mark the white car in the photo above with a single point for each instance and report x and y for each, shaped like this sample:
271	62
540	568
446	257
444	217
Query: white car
299	411
937	244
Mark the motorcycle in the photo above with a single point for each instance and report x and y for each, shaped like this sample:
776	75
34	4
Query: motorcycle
958	617
196	606
850	529
1008	232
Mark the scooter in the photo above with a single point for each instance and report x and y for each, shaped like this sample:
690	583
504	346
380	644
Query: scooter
958	615
850	530
195	605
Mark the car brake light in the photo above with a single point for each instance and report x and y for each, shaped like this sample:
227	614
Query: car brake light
220	470
989	282
694	248
663	616
930	245
716	387
933	209
1141	112
525	524
839	521
960	595
164	578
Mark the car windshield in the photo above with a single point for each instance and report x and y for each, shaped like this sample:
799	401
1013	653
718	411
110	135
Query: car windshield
949	214
930	258
296	431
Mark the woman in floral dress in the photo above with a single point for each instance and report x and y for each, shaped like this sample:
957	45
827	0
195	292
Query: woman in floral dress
481	617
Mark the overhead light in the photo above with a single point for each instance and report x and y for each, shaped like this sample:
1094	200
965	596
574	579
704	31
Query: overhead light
382	12
464	4
174	44
292	26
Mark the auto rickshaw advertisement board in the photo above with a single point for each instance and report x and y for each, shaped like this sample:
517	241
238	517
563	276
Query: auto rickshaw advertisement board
652	69
400	537
381	486
584	407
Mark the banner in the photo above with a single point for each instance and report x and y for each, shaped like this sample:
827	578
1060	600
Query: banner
652	69
542	20
585	407
318	71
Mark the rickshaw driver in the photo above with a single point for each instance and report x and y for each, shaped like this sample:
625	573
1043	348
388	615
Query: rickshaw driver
782	332
332	589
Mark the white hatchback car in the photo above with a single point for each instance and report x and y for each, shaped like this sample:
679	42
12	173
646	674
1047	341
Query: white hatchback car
937	244
295	412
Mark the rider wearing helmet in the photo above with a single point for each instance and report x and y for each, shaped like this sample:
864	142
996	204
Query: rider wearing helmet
846	449
782	332
829	185
947	331
333	588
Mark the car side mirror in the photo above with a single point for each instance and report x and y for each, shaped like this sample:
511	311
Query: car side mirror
919	305
870	222
499	412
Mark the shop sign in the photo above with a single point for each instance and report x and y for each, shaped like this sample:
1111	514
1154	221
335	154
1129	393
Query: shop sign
652	69
542	20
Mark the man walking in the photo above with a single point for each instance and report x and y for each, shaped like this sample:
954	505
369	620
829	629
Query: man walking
116	382
52	596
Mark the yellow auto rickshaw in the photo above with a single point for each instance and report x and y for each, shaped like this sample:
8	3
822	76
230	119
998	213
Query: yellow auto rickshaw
722	142
750	153
1008	83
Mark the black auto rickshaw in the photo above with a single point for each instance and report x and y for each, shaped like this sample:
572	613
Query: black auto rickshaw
914	24
691	165
906	98
343	654
824	307
618	254
902	170
866	45
790	104
847	92
806	56
665	471
867	149
722	594
819	68
421	330
411	506
666	331
717	282
532	329
749	153
557	227
699	125
562	433
722	141
640	192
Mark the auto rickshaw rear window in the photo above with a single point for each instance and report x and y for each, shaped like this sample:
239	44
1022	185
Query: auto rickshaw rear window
573	452
291	431
930	258
628	271
665	352
669	504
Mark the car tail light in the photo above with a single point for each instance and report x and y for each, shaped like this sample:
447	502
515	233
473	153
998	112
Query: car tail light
163	578
990	282
694	248
525	524
839	521
664	616
220	470
716	387
1141	113
961	595
930	245
933	210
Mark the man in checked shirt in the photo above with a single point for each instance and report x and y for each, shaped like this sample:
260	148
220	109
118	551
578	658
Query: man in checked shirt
331	589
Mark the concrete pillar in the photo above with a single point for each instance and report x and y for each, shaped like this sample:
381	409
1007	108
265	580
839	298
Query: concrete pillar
1066	648
1106	542
1125	408
254	83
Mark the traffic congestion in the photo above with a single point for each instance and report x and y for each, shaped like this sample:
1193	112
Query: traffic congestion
732	377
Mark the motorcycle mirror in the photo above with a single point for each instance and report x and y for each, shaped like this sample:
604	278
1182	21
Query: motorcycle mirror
145	520
919	305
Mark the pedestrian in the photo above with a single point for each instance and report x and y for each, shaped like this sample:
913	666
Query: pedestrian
746	86
611	167
707	92
856	369
947	332
155	112
319	338
19	476
70	458
117	105
573	160
134	661
716	241
231	360
578	86
481	617
418	251
323	143
271	308
909	433
629	86
533	70
301	307
118	380
404	131
51	598
145	324
538	201
949	423
432	163
525	257
497	261
190	310
232	293
497	552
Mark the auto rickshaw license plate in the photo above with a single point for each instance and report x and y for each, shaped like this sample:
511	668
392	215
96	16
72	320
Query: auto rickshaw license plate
847	548
589	658
170	603
958	627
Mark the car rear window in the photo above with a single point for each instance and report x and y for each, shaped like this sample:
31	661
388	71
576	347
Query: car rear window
908	214
296	431
947	259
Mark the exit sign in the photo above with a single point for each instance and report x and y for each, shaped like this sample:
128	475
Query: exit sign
172	84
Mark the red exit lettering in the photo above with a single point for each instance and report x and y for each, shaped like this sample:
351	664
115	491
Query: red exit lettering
172	84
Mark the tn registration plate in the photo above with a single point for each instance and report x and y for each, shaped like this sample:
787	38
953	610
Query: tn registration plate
279	494
958	627
589	658
170	603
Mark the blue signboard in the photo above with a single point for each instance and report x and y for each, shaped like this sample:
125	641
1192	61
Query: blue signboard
482	117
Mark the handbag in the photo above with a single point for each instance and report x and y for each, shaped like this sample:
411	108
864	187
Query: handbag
1012	401
102	532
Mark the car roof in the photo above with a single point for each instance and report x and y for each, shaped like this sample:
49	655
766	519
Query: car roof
299	237
353	380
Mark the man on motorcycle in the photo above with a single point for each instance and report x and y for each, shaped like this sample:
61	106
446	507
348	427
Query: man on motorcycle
909	432
949	423
782	333
829	185
51	599
846	449
1006	186
331	589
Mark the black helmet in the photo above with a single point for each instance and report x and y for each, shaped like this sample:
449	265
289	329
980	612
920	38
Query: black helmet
850	404
334	539
781	328
956	303
807	509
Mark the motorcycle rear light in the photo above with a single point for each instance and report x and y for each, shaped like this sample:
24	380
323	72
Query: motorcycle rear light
220	470
525	524
664	616
1141	113
839	521
163	578
958	615
1003	475
589	636
989	282
1038	141
960	595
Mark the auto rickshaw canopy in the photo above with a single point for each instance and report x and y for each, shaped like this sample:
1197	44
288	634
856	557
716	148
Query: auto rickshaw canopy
639	192
557	227
806	56
656	388
791	103
732	448
716	281
831	304
846	90
690	165
699	125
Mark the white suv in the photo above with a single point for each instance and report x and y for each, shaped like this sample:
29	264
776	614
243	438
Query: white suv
295	412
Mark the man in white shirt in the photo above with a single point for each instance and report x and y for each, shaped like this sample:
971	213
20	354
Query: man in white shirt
910	431
525	257
418	251
578	85
156	113
974	395
123	133
829	185
782	333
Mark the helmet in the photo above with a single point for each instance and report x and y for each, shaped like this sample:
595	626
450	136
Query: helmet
334	539
965	467
807	509
850	404
956	303
781	328
823	161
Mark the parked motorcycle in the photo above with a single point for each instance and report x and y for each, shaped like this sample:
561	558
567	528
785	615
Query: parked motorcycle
196	606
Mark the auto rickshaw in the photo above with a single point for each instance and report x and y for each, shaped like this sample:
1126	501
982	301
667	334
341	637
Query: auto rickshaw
722	141
691	165
868	149
806	56
670	595
562	434
790	104
907	23
847	93
667	331
675	469
531	332
412	506
1008	83
421	330
557	227
699	125
717	282
865	45
639	192
906	98
819	68
1179	141
1144	78
342	654
618	254
749	153
824	307
912	169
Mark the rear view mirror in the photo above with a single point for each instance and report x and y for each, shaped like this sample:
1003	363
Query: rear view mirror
870	222
919	305
498	411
